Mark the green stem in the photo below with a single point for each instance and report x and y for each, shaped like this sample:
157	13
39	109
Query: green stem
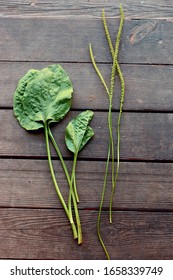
111	145
73	187
75	197
112	85
70	193
52	171
64	168
101	205
118	131
59	154
55	182
70	186
74	177
97	69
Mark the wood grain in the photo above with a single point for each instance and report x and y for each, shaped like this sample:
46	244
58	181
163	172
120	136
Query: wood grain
45	234
143	137
49	39
147	87
142	186
53	8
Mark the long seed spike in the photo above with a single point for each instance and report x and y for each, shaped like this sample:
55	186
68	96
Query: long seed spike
115	54
119	31
108	37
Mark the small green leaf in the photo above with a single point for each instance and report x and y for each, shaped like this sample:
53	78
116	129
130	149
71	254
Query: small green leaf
42	96
78	133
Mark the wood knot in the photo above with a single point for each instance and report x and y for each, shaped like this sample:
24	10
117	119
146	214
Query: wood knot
140	32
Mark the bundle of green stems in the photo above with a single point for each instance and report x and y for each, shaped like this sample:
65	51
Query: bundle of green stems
110	93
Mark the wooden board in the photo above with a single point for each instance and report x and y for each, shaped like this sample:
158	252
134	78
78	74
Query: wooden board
143	137
53	8
148	88
45	234
142	186
43	39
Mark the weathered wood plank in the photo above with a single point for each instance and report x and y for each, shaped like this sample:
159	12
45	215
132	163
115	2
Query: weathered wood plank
132	8
147	87
45	234
144	137
48	39
27	183
35	33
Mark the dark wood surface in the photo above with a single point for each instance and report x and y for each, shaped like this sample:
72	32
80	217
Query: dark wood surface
33	225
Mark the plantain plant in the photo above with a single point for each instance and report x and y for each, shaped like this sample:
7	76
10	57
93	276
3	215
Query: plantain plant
43	97
78	133
110	93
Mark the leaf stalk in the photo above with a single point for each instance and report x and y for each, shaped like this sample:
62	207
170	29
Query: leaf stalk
55	182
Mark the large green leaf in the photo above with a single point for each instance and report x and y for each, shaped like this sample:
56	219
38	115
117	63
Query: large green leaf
19	112
42	96
78	133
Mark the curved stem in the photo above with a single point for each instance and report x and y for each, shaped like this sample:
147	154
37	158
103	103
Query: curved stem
74	177
97	69
112	85
70	185
111	147
55	182
101	205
